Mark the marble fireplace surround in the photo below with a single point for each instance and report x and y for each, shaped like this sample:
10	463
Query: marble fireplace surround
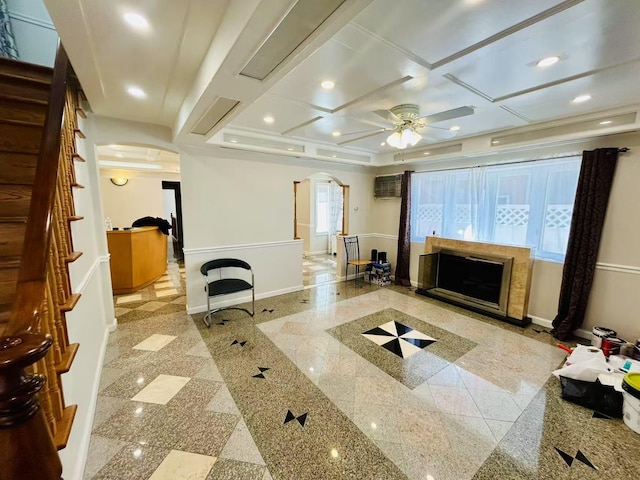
521	271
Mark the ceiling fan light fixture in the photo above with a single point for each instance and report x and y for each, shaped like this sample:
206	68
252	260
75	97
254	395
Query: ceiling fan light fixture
395	140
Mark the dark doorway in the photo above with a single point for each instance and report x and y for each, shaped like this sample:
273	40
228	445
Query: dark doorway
176	222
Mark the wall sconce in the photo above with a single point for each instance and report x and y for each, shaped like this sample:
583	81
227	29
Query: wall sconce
119	181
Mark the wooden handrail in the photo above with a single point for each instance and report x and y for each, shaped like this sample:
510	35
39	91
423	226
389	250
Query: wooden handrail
32	277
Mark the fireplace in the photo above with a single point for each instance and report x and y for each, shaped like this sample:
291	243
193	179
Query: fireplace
478	281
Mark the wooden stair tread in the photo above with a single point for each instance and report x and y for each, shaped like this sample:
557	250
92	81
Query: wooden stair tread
17	98
12	261
72	257
22	123
75	218
79	133
77	157
67	359
77	185
11	238
30	70
15	200
72	301
80	112
63	425
13	219
8	282
18	168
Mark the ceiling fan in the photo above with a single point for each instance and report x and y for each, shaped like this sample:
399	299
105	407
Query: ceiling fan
407	121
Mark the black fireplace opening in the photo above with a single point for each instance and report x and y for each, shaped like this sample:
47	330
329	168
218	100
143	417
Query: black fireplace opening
471	276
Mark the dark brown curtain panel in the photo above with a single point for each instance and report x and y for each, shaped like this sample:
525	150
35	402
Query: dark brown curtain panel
404	233
592	196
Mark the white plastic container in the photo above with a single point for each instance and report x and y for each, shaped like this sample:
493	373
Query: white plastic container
631	404
598	333
631	411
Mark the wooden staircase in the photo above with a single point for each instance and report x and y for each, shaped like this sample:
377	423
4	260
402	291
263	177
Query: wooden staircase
24	93
38	129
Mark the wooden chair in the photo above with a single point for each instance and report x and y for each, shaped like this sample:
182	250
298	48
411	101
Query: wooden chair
226	286
352	249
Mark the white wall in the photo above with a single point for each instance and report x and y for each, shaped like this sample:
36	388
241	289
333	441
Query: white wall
141	197
257	215
93	316
36	37
614	301
303	214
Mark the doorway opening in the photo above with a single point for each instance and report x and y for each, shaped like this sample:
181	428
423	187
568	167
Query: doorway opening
172	204
320	219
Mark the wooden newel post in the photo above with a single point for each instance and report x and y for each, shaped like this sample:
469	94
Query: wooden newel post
26	446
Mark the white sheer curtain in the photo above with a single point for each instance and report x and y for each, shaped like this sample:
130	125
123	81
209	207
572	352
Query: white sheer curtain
527	204
335	213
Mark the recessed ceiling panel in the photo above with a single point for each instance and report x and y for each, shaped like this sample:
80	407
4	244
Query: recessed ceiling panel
357	64
162	59
323	130
434	30
285	114
589	36
608	89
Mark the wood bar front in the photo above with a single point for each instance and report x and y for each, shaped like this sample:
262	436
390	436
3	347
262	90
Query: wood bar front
138	258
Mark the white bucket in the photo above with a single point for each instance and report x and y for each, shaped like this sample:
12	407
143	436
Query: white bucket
598	333
631	411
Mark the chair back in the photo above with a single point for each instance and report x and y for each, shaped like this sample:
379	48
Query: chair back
352	248
223	263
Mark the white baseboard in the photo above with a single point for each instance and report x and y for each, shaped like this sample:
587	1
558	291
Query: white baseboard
543	322
85	440
113	327
243	299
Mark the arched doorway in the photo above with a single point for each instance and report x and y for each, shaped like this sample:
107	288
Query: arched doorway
320	217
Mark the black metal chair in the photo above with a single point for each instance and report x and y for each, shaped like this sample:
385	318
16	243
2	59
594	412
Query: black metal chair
352	249
226	286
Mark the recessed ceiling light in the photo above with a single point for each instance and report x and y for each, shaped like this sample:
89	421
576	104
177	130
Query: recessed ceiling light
136	20
547	62
495	142
136	92
455	128
606	122
119	155
234	141
290	149
427	153
336	133
113	147
333	156
383	144
328	84
268	119
581	98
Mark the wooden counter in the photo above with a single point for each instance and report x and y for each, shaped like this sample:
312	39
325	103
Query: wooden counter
138	258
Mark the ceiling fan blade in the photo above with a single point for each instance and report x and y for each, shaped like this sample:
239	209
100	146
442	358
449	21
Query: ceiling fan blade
446	115
366	131
362	138
389	117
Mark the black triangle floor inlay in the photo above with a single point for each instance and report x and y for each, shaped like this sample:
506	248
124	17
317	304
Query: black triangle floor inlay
402	329
236	342
394	346
418	342
302	419
259	375
263	369
378	331
581	458
290	416
568	459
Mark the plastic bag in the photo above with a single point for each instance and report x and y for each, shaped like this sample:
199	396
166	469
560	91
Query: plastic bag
593	395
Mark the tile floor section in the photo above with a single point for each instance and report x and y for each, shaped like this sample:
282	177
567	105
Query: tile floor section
311	389
318	269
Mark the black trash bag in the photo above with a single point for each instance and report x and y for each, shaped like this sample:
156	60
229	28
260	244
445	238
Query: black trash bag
161	223
601	398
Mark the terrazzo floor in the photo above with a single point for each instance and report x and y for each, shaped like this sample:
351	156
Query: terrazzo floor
337	382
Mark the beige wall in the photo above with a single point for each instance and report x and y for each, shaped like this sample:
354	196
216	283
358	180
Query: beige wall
303	203
140	197
614	301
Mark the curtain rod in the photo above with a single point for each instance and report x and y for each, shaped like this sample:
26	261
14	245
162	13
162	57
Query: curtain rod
620	150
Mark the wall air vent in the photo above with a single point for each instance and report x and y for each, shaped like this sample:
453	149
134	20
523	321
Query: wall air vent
301	21
220	109
427	153
387	186
571	128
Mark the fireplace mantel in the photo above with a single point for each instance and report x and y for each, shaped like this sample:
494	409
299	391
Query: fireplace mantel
520	284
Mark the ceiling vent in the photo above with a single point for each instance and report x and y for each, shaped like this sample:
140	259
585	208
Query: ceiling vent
324	152
220	109
301	21
427	153
388	186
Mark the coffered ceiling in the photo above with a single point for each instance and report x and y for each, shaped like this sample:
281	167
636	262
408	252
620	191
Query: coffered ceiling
439	55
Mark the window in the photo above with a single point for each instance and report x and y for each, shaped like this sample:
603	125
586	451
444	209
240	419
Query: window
322	207
528	204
